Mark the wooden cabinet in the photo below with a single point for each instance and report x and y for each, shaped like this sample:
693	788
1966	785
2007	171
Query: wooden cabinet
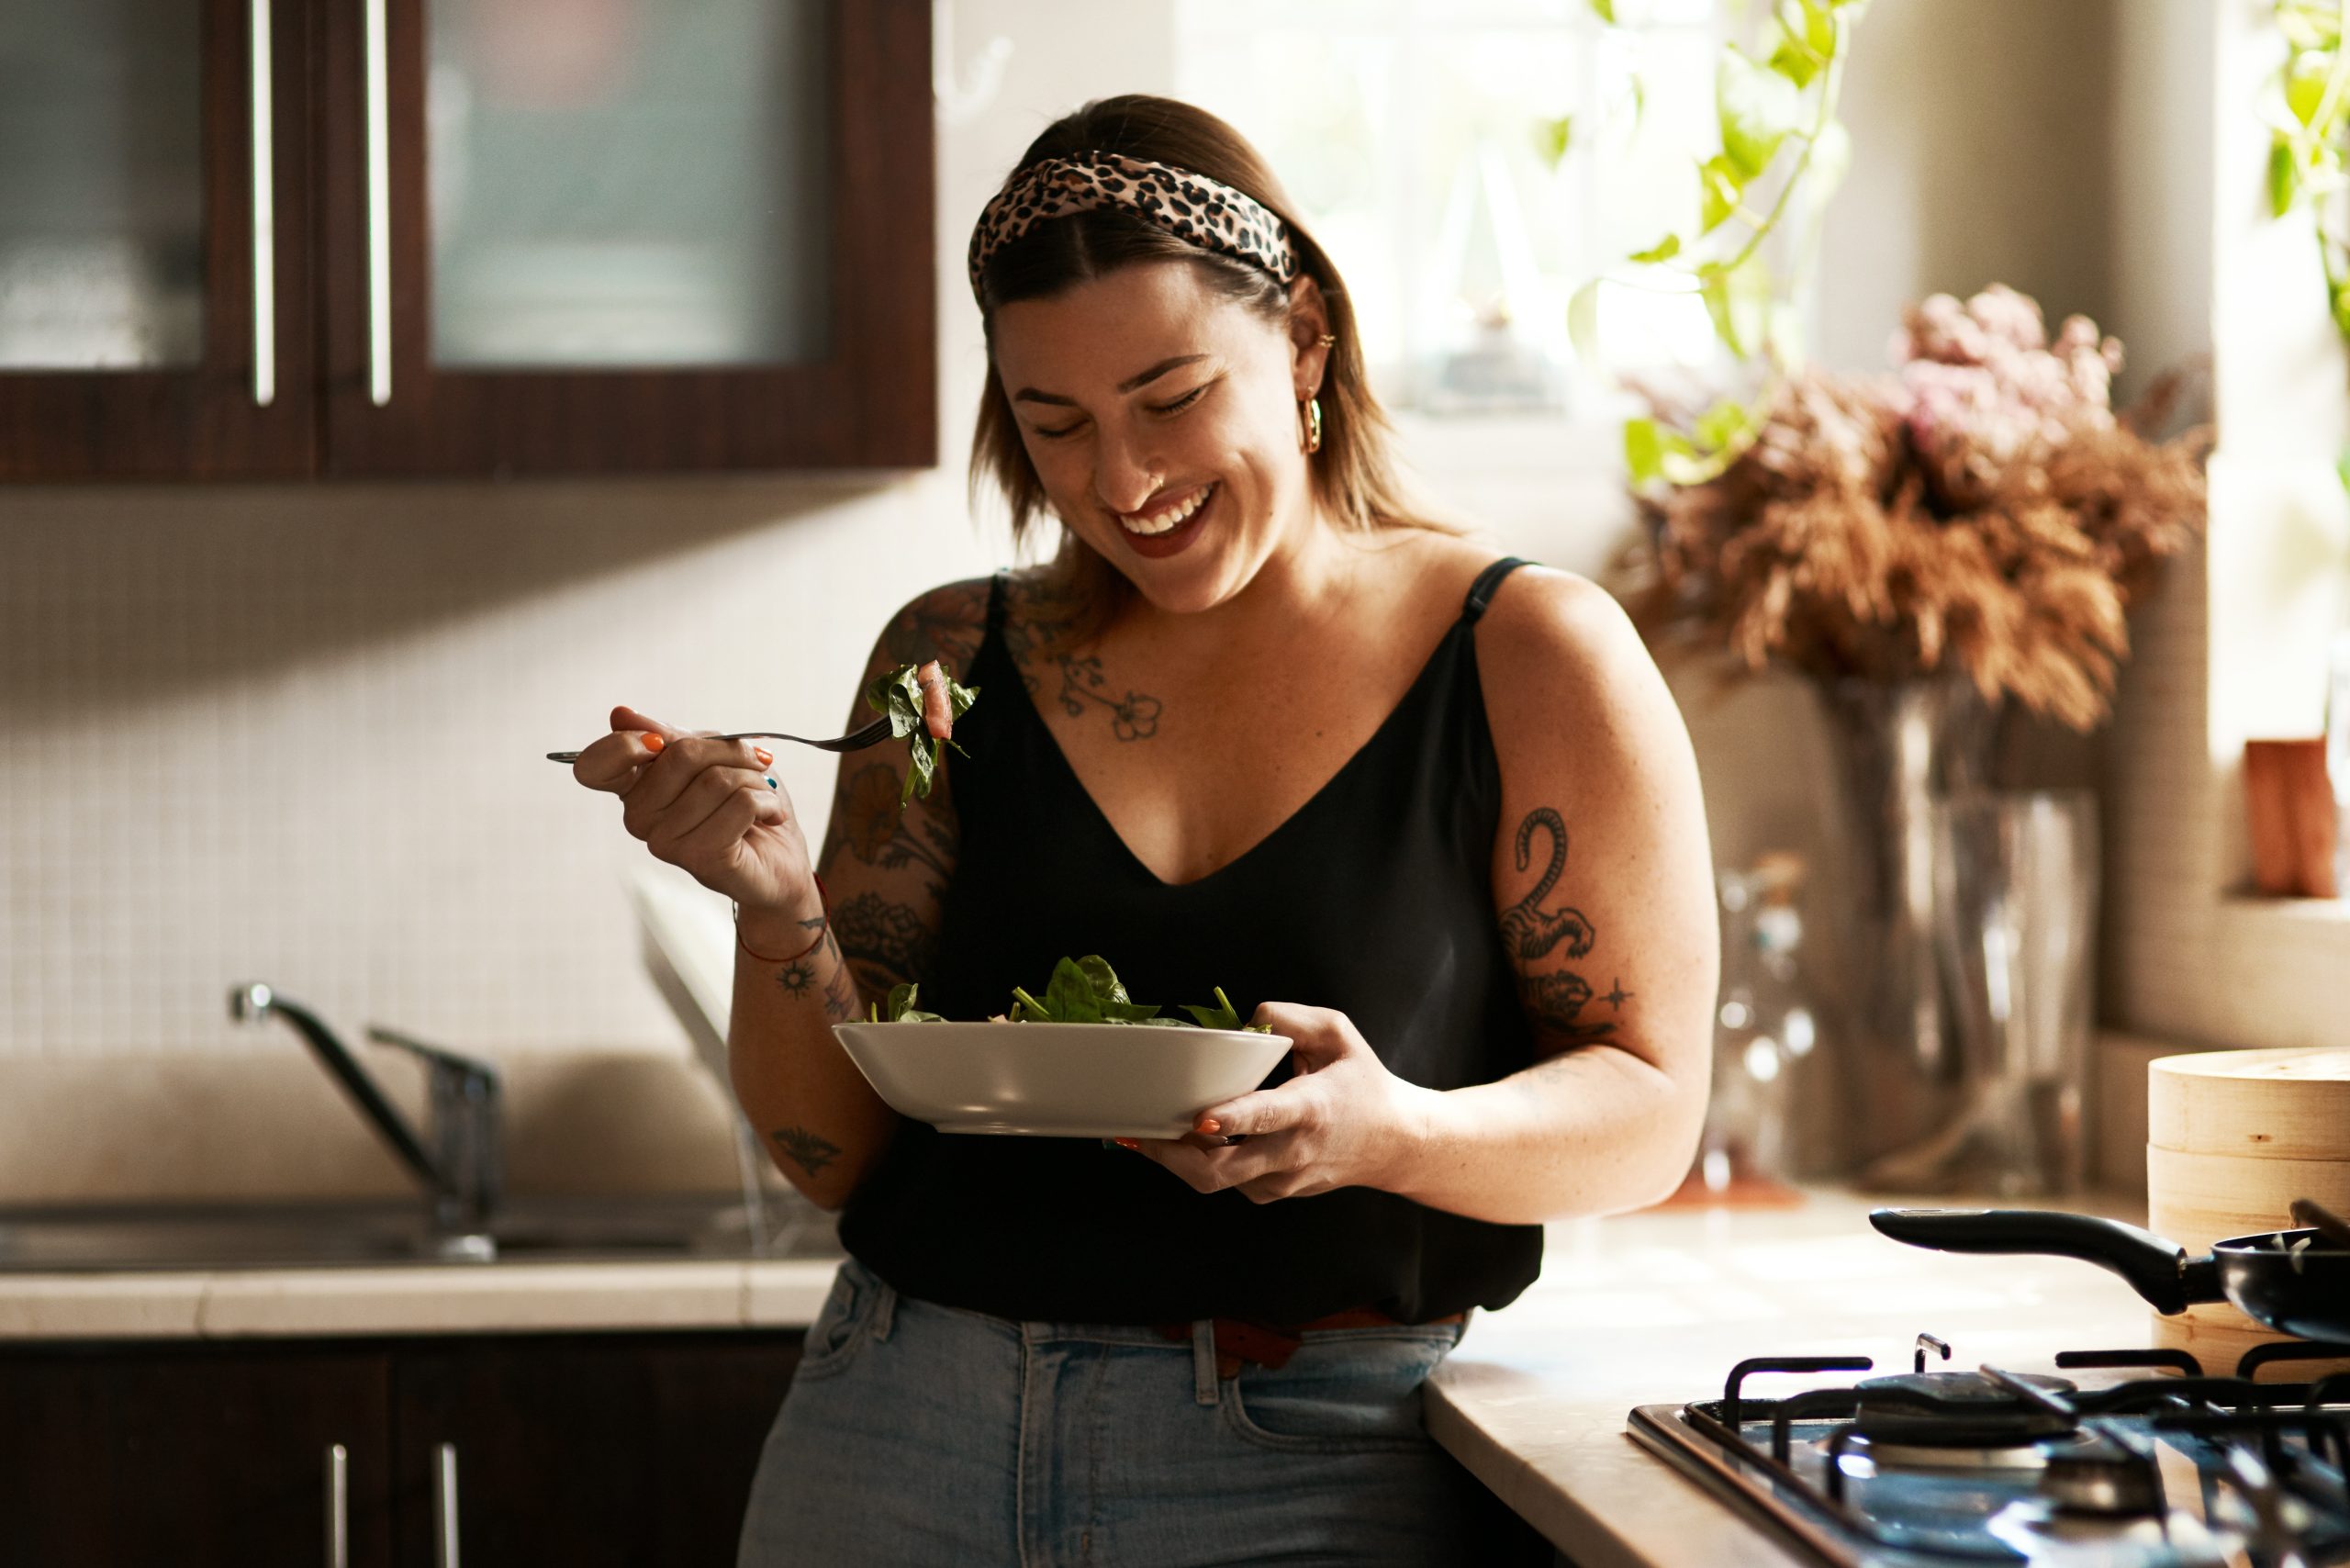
253	239
583	1449
151	1454
588	1453
156	240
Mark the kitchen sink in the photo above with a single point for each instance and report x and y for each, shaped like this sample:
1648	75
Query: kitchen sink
145	1238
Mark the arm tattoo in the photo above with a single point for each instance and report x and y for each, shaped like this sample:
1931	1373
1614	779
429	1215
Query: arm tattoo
1554	1001
877	938
886	942
797	977
945	625
874	826
804	1148
839	995
1531	930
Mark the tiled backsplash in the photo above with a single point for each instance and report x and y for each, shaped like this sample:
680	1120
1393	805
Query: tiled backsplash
297	735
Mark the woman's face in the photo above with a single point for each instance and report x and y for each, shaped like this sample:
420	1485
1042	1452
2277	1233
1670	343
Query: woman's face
1162	421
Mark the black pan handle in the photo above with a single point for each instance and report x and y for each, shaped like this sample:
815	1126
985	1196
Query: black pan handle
2157	1269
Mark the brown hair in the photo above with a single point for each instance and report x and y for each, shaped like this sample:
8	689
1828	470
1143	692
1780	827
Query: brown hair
1355	474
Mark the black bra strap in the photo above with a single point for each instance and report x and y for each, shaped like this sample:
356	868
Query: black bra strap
1481	592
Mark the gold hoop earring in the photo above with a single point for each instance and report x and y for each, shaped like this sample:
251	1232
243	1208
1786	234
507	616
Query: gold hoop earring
1327	340
1309	413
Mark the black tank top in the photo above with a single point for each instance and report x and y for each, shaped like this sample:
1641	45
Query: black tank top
1374	898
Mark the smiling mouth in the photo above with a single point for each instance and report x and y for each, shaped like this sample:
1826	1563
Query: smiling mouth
1166	519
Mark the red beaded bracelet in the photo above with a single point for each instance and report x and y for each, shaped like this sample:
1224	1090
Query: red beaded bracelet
824	922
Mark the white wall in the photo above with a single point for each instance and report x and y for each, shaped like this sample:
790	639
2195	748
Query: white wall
2235	650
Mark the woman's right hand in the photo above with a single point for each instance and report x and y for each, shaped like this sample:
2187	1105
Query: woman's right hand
705	804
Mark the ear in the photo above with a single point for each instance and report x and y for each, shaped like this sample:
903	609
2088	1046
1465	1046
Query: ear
1309	322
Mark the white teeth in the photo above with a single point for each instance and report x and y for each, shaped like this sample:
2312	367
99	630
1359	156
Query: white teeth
1159	523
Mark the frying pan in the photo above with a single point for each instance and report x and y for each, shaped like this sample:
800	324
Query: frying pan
2290	1279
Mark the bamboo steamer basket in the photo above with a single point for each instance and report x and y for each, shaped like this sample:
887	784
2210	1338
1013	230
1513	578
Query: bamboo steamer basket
2233	1137
2280	1104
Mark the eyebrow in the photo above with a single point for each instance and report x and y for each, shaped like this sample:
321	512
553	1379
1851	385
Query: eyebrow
1030	394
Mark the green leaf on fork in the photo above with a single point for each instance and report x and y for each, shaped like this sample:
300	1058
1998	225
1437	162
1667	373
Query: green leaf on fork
897	696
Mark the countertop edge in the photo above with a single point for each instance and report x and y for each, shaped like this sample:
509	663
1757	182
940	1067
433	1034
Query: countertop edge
420	1300
1526	1490
1651	1513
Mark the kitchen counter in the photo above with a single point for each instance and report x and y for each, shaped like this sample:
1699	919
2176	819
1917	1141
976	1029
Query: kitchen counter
1655	1308
415	1298
1647	1308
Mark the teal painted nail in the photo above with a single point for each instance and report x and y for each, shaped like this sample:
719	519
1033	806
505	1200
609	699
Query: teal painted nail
770	783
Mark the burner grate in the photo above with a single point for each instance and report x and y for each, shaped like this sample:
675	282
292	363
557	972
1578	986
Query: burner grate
1963	1466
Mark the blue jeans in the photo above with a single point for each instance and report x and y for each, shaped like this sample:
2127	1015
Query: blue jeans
915	1434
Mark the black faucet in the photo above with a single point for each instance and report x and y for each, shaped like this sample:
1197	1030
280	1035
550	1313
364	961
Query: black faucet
464	1172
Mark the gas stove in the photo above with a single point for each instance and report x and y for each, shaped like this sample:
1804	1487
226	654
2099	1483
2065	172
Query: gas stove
2166	1468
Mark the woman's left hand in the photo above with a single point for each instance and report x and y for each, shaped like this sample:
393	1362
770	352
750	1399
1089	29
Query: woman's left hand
1342	1121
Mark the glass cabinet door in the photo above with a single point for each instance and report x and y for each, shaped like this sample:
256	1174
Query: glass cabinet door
152	236
101	220
589	235
627	188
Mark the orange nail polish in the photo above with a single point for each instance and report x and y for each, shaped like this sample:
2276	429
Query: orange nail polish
1126	1143
1209	1124
654	742
763	754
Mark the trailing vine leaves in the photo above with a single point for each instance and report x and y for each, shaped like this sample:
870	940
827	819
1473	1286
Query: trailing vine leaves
1782	153
2307	116
2308	123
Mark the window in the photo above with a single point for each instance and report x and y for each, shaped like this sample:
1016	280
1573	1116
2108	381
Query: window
1412	136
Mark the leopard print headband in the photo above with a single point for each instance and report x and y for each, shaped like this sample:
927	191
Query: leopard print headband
1189	207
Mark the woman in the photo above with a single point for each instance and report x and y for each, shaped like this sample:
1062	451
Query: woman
1258	726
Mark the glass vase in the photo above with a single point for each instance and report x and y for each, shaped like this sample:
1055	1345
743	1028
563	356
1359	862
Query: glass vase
1901	747
2016	892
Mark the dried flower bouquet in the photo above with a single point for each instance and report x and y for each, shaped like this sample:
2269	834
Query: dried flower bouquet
1982	504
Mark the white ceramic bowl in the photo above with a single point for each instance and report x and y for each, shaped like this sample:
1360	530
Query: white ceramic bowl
1058	1079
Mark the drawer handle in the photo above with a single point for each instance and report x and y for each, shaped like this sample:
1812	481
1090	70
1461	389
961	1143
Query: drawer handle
444	1505
338	1507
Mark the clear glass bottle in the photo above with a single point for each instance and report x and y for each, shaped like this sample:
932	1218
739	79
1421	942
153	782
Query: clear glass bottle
1763	1024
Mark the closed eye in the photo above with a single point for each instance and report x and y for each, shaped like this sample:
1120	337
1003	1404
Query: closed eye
1185	401
1177	406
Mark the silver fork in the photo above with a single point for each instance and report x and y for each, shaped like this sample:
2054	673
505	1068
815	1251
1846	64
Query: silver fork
856	740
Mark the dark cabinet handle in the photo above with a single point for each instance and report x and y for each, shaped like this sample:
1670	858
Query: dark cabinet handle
264	202
444	1505
379	206
338	1507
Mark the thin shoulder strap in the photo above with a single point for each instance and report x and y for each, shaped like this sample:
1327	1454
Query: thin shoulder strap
1481	592
995	604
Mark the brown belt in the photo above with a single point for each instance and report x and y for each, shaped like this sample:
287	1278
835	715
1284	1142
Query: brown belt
1239	1340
